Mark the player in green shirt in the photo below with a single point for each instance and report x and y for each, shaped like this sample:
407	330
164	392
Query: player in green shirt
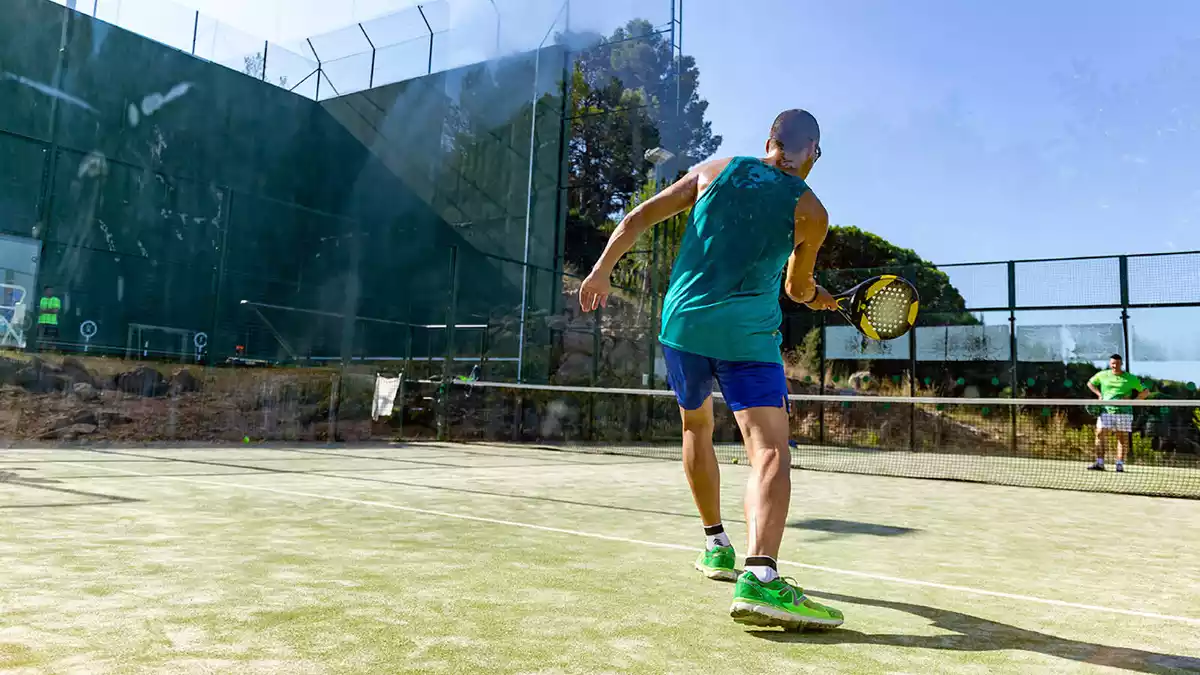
1112	385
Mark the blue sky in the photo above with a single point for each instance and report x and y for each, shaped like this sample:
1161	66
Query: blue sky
976	130
973	131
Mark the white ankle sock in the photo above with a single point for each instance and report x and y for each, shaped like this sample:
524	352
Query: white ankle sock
714	535
764	573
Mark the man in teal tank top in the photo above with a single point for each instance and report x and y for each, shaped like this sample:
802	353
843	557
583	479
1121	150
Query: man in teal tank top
751	217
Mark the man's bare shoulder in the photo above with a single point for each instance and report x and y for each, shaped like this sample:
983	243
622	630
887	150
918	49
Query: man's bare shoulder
711	168
809	209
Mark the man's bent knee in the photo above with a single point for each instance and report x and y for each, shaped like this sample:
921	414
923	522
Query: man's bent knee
699	419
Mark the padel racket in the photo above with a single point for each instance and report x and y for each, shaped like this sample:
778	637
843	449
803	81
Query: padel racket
882	308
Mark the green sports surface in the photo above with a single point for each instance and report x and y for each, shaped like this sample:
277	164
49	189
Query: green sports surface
482	558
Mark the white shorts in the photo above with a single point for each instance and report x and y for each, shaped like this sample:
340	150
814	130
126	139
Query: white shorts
1115	421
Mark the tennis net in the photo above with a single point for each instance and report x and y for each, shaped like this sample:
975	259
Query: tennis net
1044	443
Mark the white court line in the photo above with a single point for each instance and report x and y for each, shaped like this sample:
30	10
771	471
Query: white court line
653	544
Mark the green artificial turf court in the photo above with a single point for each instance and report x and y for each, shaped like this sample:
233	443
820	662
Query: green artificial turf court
449	558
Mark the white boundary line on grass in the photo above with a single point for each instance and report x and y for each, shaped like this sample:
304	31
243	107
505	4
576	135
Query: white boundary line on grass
641	542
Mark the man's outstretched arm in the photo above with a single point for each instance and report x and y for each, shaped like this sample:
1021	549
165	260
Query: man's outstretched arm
674	200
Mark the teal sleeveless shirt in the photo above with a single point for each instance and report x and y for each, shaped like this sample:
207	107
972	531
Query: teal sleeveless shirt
723	301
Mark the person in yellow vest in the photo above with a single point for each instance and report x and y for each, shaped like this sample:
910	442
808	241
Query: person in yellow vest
48	309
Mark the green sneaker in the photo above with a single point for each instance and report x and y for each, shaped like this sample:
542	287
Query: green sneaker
780	603
718	563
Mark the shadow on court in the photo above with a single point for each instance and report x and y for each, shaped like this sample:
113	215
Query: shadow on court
835	527
974	634
52	485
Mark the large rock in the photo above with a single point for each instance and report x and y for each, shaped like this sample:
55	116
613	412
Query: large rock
142	381
84	391
575	369
84	417
184	382
623	353
70	433
39	378
9	369
76	372
579	343
110	418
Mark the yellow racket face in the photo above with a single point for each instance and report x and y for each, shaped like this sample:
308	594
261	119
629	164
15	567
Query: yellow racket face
885	308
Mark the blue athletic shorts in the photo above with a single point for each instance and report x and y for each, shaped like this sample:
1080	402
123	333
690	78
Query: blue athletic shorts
745	384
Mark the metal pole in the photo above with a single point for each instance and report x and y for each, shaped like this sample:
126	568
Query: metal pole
50	169
316	56
371	77
821	379
537	62
266	49
220	281
483	349
429	66
912	368
1124	267
650	323
528	220
1012	348
195	30
406	373
335	387
448	360
676	57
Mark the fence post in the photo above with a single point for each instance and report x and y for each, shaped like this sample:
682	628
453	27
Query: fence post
1124	266
651	320
429	66
335	386
484	346
911	272
371	76
448	360
597	344
821	379
406	372
1012	352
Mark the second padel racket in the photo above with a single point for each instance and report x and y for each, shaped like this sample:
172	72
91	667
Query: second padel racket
882	308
